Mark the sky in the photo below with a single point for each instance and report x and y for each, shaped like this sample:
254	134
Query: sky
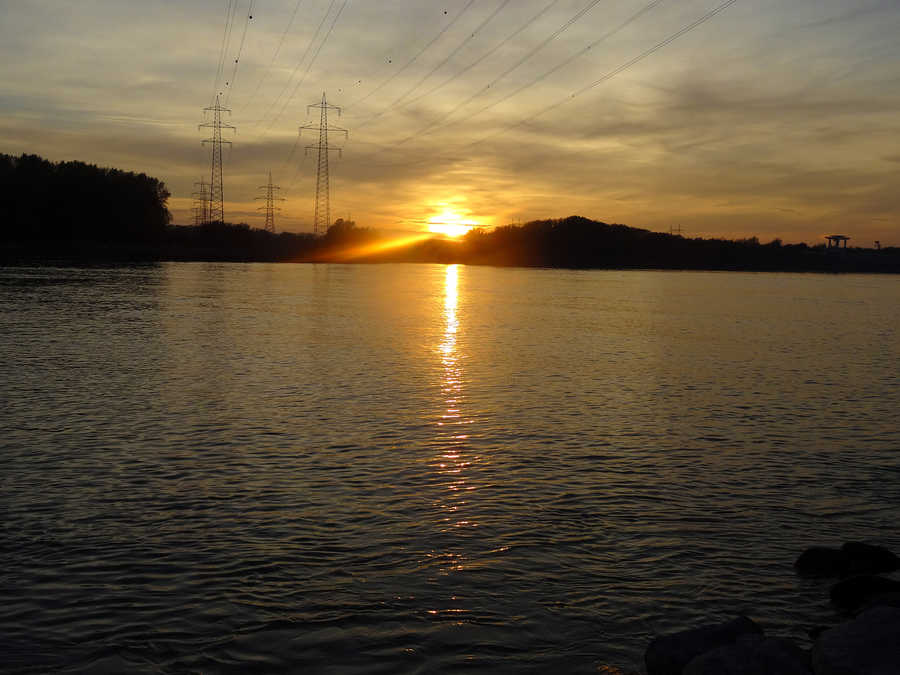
765	118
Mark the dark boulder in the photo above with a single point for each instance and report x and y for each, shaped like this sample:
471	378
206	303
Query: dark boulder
815	631
752	655
820	561
669	654
867	645
855	592
852	558
868	559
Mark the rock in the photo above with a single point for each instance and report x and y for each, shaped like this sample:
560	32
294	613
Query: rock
867	645
855	592
752	655
891	599
852	558
867	559
816	631
821	561
669	654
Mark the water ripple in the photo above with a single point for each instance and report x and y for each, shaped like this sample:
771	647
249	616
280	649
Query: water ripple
417	468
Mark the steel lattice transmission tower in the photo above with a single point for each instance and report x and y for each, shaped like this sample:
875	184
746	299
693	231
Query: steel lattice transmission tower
322	219
270	207
216	212
201	202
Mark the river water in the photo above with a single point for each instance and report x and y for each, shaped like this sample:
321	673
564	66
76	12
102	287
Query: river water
218	468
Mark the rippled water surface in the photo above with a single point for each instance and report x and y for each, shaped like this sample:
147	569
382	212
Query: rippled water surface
417	468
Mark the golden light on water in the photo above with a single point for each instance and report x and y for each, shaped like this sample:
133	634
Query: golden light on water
451	300
452	382
453	463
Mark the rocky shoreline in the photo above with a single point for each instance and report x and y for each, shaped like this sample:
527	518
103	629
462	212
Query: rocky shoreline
867	642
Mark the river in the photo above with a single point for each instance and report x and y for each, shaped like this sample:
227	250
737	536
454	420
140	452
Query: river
232	468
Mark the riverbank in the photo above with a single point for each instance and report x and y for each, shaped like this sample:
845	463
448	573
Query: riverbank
569	243
864	643
88	253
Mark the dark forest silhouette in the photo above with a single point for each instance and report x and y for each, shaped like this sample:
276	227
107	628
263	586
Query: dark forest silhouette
47	202
78	211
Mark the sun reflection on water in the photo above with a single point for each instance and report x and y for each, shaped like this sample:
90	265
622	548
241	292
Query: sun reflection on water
451	386
453	461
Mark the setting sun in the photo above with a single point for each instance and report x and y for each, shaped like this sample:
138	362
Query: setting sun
450	224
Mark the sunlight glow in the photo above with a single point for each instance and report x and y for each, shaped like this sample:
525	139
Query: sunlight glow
378	247
450	224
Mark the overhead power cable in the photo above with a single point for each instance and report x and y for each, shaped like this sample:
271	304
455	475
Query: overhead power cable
555	34
296	68
453	53
230	83
484	56
561	64
615	71
604	78
230	9
311	61
391	78
268	70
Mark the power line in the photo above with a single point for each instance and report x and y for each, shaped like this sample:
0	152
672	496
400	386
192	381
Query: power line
239	52
453	53
562	63
555	34
604	78
615	71
297	172
559	31
484	56
420	52
311	61
290	23
314	57
296	68
230	9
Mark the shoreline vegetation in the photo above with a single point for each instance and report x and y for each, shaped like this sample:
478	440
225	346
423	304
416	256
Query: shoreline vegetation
77	212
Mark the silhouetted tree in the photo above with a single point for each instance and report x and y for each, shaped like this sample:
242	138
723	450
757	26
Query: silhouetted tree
43	201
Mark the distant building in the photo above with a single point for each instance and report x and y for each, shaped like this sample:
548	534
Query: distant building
834	240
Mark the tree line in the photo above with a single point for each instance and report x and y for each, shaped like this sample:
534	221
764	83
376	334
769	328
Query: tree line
43	201
81	211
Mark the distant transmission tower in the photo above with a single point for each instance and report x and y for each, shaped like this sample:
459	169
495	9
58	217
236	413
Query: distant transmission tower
322	219
216	193
201	202
270	204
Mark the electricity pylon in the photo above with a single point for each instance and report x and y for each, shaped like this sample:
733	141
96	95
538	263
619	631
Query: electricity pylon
322	219
216	193
201	202
270	207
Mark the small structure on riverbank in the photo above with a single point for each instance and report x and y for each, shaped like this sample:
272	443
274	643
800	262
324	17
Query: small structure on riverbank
834	240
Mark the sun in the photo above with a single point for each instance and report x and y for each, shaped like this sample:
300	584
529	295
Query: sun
450	224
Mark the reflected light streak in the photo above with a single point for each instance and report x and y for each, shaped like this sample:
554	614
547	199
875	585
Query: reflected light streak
452	463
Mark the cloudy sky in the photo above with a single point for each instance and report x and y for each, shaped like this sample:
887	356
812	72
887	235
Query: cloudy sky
768	118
